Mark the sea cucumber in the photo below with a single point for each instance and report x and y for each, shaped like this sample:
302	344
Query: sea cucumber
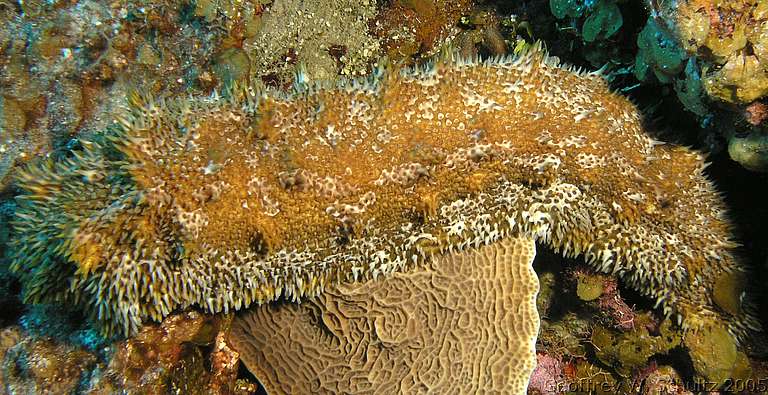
223	202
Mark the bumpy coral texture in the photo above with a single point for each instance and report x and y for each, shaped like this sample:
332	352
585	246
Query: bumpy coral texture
225	203
464	323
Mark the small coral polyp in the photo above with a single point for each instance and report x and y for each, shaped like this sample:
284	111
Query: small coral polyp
227	202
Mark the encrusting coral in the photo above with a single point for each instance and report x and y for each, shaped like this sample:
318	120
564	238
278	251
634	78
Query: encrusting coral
225	202
465	322
733	36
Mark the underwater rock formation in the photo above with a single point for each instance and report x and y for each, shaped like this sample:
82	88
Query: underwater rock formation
41	366
464	323
226	202
182	355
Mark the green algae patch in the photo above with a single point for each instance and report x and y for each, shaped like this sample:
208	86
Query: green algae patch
728	291
750	151
593	380
715	355
658	54
628	351
589	287
603	22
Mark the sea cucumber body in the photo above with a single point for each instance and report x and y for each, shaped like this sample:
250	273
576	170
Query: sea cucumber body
223	203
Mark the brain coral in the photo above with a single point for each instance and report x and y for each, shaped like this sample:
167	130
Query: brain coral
223	203
463	323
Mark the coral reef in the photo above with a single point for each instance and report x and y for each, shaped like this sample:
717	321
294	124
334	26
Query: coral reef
443	327
66	67
714	52
185	354
733	37
628	346
729	39
226	202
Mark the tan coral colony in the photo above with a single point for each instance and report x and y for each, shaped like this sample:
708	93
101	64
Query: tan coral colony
462	323
226	202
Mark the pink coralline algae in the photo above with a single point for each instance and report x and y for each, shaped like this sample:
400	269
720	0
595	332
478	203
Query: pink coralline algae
612	304
548	377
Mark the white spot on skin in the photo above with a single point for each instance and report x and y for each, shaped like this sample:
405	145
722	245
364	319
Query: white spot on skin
582	115
332	136
483	104
634	196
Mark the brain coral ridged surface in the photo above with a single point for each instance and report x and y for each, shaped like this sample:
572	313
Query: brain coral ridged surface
223	203
464	323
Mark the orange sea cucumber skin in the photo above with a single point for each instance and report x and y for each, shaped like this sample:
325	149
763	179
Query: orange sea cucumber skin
245	199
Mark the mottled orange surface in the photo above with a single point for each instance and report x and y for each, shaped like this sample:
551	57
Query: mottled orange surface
226	202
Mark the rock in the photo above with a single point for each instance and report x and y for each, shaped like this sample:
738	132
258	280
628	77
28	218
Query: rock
750	151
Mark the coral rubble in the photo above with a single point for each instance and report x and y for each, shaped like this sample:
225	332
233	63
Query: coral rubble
223	203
